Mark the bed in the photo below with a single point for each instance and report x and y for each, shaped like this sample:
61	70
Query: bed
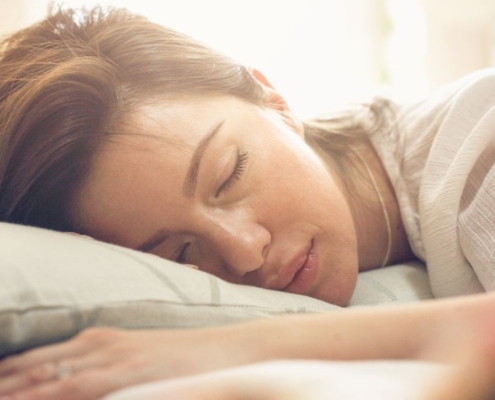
54	285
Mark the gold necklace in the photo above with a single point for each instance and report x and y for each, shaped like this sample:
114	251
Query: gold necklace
384	209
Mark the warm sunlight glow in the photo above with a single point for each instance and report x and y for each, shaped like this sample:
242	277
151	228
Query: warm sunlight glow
319	53
407	50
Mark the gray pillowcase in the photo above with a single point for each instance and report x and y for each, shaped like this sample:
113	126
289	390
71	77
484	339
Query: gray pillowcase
53	285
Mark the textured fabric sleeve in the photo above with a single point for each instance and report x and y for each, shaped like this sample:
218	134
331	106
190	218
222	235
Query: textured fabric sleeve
456	197
477	217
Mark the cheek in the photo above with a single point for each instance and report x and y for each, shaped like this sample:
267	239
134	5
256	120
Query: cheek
339	259
338	243
291	183
289	169
338	288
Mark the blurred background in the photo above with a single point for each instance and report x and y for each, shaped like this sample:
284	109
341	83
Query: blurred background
321	54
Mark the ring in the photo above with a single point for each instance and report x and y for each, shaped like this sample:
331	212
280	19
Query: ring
63	371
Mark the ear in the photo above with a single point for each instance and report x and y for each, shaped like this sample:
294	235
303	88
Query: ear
275	101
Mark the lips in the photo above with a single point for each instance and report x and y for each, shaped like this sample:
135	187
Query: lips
304	272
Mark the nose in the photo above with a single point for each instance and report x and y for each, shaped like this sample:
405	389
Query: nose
240	242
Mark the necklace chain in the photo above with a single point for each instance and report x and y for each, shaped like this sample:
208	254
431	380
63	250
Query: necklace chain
384	209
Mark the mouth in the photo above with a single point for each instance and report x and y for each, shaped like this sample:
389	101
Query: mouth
305	273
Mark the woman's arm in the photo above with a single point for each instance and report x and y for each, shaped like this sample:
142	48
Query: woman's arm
391	332
99	361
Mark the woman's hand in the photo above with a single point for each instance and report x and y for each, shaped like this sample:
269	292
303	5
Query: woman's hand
99	361
466	370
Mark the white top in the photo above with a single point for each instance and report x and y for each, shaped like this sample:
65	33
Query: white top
440	158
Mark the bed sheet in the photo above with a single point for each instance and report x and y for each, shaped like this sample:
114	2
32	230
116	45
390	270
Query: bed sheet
301	380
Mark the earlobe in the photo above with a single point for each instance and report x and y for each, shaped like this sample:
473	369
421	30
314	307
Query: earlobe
275	101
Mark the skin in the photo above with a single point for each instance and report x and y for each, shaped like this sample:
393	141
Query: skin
469	373
348	235
458	330
264	202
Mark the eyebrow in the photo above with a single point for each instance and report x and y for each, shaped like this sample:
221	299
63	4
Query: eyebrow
191	182
189	187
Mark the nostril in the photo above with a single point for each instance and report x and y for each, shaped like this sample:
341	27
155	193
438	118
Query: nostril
264	252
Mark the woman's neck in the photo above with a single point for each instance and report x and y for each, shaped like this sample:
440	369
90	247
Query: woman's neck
380	232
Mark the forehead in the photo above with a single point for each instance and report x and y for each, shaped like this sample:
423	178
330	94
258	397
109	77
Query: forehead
155	152
125	174
184	118
173	128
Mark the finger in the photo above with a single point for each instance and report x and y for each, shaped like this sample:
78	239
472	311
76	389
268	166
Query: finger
39	370
48	371
18	363
30	377
87	341
88	385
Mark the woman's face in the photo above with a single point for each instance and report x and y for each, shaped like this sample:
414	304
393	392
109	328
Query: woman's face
230	187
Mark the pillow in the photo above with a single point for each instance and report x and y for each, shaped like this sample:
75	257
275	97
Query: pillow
53	285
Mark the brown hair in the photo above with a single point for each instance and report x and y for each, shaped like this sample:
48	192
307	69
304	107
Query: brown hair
69	81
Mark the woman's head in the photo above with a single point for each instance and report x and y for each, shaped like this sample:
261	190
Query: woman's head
71	82
227	185
103	118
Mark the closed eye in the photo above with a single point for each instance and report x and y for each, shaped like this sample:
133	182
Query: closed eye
239	168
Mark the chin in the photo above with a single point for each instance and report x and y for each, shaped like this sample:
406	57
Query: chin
338	292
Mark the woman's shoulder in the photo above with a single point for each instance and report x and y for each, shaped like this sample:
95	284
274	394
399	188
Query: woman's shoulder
438	124
479	83
474	84
459	165
441	161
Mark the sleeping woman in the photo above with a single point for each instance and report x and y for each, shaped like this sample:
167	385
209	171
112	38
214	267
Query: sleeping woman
123	130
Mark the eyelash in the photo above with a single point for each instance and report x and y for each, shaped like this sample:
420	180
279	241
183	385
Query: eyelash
240	165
